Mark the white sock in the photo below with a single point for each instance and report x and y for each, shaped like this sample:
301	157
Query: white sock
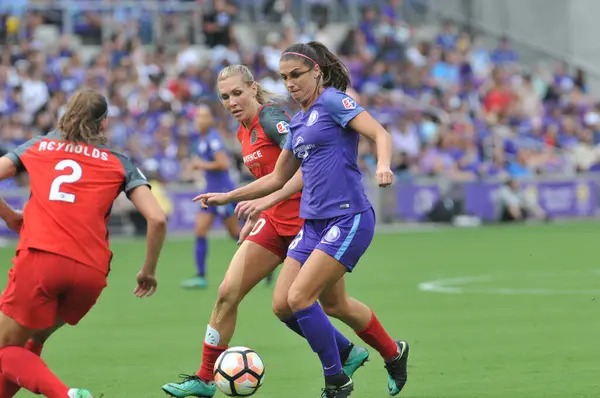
212	336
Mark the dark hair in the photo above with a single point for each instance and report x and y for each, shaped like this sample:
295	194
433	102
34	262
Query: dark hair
82	120
334	72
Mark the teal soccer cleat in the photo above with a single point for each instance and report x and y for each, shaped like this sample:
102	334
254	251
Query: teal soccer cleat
357	358
190	386
397	369
197	282
79	393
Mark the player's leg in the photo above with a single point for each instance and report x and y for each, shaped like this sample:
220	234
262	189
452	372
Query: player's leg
28	306
250	264
351	356
204	220
346	241
231	223
362	320
35	345
317	273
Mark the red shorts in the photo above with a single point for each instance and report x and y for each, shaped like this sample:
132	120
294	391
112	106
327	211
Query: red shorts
43	287
265	235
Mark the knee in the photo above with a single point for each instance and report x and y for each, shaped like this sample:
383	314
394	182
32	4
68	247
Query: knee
281	309
297	299
227	297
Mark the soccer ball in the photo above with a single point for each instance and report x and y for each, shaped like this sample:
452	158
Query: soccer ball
239	372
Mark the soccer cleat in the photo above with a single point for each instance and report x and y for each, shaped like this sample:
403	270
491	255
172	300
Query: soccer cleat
338	391
190	386
397	373
79	393
197	282
357	358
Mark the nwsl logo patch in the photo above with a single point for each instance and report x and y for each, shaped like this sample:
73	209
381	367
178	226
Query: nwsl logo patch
283	127
349	103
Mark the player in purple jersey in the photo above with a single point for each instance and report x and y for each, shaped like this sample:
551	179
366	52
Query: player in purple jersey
340	221
210	155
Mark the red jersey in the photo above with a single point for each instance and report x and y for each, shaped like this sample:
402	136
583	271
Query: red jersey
261	145
73	186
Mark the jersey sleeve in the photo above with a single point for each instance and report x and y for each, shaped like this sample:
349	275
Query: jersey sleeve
215	143
276	125
341	107
16	155
133	176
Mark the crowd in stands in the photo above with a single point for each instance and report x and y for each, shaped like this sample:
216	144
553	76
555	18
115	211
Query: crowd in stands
454	108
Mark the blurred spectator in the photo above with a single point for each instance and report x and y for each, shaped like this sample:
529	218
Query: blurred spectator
455	109
517	203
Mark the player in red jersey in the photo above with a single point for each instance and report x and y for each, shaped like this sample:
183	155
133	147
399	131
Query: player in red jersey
63	256
265	240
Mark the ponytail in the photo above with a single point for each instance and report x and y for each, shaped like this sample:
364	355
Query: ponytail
83	117
334	72
263	96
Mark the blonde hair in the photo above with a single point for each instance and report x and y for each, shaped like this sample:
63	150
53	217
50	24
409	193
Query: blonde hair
263	96
83	117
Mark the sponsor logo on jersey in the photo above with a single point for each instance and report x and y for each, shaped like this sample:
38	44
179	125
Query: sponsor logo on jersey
252	157
312	119
253	136
349	103
283	127
301	150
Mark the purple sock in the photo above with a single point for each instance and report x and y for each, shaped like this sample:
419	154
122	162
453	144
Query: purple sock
201	250
320	334
340	340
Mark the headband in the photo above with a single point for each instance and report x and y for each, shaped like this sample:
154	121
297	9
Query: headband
300	55
101	118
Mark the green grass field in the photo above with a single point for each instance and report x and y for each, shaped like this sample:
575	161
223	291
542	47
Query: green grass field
529	329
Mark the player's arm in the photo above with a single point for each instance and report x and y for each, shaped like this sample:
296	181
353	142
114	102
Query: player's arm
145	202
294	185
366	125
285	168
138	191
276	125
251	208
221	162
8	168
347	113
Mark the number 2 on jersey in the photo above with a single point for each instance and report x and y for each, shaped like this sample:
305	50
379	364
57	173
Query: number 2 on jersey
55	193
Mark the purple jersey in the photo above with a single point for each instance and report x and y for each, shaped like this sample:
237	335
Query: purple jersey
207	147
328	149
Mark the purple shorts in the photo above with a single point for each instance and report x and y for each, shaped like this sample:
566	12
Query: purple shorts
345	238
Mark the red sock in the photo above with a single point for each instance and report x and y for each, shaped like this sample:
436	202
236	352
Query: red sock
210	353
376	336
9	389
29	371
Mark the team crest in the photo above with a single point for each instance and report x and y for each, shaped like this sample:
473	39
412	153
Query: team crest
333	234
253	136
349	103
283	127
312	119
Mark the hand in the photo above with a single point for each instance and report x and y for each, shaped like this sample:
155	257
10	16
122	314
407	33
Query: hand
246	229
200	164
15	221
384	176
146	284
251	208
211	199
